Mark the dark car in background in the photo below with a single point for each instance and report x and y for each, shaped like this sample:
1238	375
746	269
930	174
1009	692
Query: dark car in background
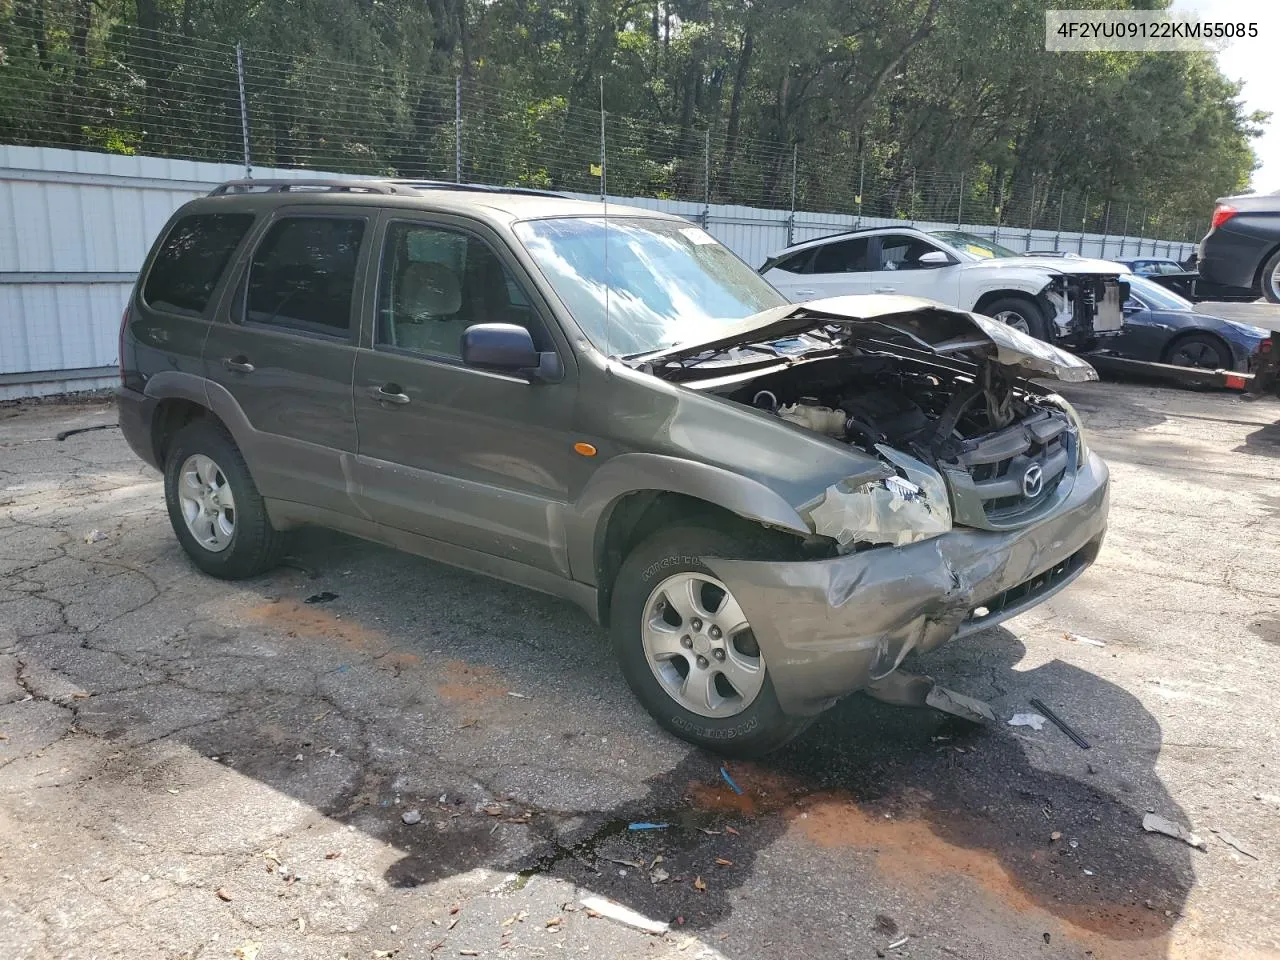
1242	247
1162	327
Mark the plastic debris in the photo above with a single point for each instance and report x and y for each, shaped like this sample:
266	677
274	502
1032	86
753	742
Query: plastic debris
729	780
1032	720
1154	823
898	943
1231	841
699	884
248	950
624	915
411	817
1080	638
223	894
323	597
519	696
94	536
1055	836
658	875
960	705
645	825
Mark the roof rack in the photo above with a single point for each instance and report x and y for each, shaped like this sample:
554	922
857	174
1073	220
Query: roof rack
311	186
473	187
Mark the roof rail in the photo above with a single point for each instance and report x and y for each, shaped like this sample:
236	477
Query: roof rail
310	186
472	187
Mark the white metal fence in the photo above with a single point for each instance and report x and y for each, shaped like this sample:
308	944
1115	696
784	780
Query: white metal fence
75	226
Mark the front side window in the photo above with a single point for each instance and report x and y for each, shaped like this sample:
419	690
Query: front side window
192	259
901	252
303	275
636	284
436	282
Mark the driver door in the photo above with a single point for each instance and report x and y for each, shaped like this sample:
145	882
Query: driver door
896	268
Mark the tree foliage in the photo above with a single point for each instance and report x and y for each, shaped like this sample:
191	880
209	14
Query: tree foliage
929	108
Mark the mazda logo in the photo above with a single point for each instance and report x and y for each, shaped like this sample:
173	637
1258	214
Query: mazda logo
1033	481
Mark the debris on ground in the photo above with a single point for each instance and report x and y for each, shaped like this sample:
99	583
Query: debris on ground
248	950
1032	720
602	907
1231	841
519	696
658	875
223	894
970	708
411	817
885	925
722	862
1080	638
94	536
645	825
1154	823
898	943
1061	724
724	772
323	597
699	884
1055	836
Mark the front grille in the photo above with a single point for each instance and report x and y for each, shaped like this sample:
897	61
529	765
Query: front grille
1004	466
1027	590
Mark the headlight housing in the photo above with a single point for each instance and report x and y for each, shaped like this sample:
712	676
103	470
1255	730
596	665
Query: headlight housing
1082	444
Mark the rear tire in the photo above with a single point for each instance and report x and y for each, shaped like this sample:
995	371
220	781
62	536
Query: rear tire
215	508
1271	278
751	722
1201	350
1021	313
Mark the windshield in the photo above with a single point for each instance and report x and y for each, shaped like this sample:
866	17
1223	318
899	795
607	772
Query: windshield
1154	295
668	282
974	246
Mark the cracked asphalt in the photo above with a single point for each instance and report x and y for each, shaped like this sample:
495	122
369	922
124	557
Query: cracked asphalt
192	768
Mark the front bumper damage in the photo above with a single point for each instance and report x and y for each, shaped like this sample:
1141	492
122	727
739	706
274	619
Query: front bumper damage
828	628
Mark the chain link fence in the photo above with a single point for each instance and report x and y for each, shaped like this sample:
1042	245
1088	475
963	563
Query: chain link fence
170	95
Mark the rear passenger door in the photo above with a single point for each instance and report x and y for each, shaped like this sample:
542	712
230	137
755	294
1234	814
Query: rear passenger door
285	352
475	458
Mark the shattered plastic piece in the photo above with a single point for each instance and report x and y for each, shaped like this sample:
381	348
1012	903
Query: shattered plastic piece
658	875
1231	841
324	597
1079	638
1055	836
643	825
729	780
699	884
1032	720
411	817
1154	823
948	701
895	510
898	943
94	536
624	915
519	696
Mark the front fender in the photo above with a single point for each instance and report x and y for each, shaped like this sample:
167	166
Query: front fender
637	472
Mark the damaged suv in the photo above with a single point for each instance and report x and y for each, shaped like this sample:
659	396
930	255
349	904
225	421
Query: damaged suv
768	505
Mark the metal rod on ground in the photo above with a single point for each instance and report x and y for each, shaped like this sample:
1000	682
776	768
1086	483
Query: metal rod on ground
457	129
791	219
244	111
706	178
1058	722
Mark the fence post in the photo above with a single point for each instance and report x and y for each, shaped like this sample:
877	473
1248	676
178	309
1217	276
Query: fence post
960	205
457	129
1124	231
602	156
1062	205
706	178
1031	215
791	219
999	208
1084	218
862	174
911	210
1142	229
1106	228
244	111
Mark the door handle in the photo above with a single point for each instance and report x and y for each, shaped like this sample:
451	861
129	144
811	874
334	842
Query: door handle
806	294
886	290
389	393
238	364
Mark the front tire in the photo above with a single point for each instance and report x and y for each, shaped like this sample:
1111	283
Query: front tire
1271	278
1021	313
1200	350
214	506
687	651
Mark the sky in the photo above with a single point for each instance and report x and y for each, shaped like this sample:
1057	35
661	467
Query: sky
1253	61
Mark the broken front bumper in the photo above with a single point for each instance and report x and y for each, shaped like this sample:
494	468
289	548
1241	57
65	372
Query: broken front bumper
827	628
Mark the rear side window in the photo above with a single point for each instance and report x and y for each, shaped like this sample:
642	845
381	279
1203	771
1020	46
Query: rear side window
303	274
847	256
191	260
795	263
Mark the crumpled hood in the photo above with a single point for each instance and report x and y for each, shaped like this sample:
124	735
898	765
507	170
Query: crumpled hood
1069	265
925	324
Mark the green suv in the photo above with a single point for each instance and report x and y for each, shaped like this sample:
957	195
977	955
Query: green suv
767	504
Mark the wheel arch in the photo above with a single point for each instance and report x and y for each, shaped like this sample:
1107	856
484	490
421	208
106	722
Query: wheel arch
1166	353
991	296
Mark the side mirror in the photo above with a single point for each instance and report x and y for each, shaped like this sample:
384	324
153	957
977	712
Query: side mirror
934	258
1132	306
507	347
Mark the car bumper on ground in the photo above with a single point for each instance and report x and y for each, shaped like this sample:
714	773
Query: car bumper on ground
135	411
828	628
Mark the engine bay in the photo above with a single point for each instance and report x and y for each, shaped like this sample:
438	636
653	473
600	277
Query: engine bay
930	411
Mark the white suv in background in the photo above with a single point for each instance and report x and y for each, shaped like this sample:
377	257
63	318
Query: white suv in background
1066	300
